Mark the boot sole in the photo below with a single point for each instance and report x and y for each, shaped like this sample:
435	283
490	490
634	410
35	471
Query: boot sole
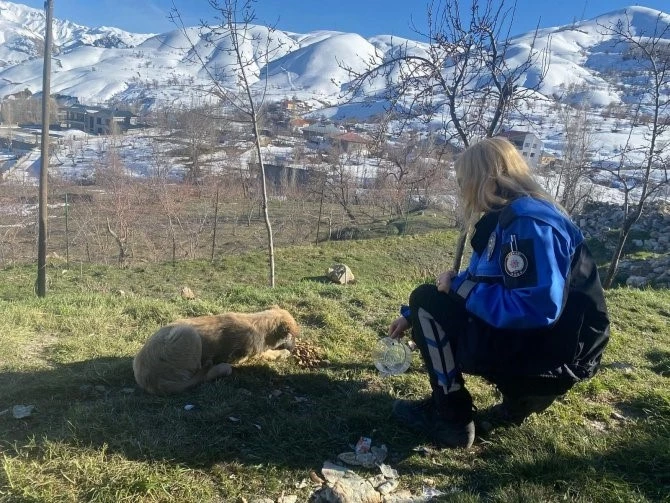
458	436
461	440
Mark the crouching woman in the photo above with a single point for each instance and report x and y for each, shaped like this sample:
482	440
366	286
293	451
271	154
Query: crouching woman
528	314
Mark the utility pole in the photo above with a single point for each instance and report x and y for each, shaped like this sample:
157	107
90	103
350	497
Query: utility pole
44	163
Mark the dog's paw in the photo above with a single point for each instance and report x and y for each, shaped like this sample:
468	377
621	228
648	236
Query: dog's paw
275	354
219	370
282	354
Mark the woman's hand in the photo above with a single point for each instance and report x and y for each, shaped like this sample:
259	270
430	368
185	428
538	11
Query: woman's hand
443	281
398	327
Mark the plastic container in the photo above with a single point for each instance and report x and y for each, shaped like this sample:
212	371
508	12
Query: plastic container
392	356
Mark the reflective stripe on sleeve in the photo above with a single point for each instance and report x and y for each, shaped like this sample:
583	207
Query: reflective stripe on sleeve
465	288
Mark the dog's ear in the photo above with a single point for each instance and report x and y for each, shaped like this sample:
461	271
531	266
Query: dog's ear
289	326
285	332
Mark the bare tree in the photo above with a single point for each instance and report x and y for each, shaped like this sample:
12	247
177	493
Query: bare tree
642	170
461	77
119	189
197	129
215	221
463	74
317	186
413	168
567	177
340	182
89	234
238	81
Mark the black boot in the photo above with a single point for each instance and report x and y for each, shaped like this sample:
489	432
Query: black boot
446	419
516	409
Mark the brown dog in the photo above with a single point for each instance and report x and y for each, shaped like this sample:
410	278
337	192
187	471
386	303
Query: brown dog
194	350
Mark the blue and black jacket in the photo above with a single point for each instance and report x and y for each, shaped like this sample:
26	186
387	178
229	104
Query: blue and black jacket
533	292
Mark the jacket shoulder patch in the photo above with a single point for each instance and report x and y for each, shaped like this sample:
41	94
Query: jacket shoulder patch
516	264
517	261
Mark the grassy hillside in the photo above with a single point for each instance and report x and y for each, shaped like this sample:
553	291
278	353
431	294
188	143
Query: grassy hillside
94	437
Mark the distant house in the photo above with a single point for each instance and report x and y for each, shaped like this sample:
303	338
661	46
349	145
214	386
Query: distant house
298	123
317	132
26	93
351	142
294	105
528	143
96	120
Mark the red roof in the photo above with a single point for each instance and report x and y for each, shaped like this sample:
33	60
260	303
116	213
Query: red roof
299	122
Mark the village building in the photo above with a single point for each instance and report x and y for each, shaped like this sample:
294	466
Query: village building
319	132
527	143
351	142
294	106
296	124
96	120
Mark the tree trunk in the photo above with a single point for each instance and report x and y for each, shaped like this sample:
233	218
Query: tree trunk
460	249
120	243
266	216
623	237
216	218
67	235
318	222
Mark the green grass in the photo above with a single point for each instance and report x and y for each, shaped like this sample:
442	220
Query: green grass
94	437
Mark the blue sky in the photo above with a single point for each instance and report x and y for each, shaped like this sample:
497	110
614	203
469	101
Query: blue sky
366	17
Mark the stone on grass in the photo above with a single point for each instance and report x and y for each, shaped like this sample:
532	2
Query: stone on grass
187	293
387	487
340	274
624	367
403	496
366	459
375	457
332	472
636	281
388	472
345	486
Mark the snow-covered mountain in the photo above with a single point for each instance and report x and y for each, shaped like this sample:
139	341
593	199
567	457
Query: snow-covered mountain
101	64
22	35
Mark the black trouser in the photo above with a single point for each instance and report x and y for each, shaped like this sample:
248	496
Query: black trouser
447	336
435	318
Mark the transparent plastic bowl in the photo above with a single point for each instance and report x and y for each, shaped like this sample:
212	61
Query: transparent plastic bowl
392	356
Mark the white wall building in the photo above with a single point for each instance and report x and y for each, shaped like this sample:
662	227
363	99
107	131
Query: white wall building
528	144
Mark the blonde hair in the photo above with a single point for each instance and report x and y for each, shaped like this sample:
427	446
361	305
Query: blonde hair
491	173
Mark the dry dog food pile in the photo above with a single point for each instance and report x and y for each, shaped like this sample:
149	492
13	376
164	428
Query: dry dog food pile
307	355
